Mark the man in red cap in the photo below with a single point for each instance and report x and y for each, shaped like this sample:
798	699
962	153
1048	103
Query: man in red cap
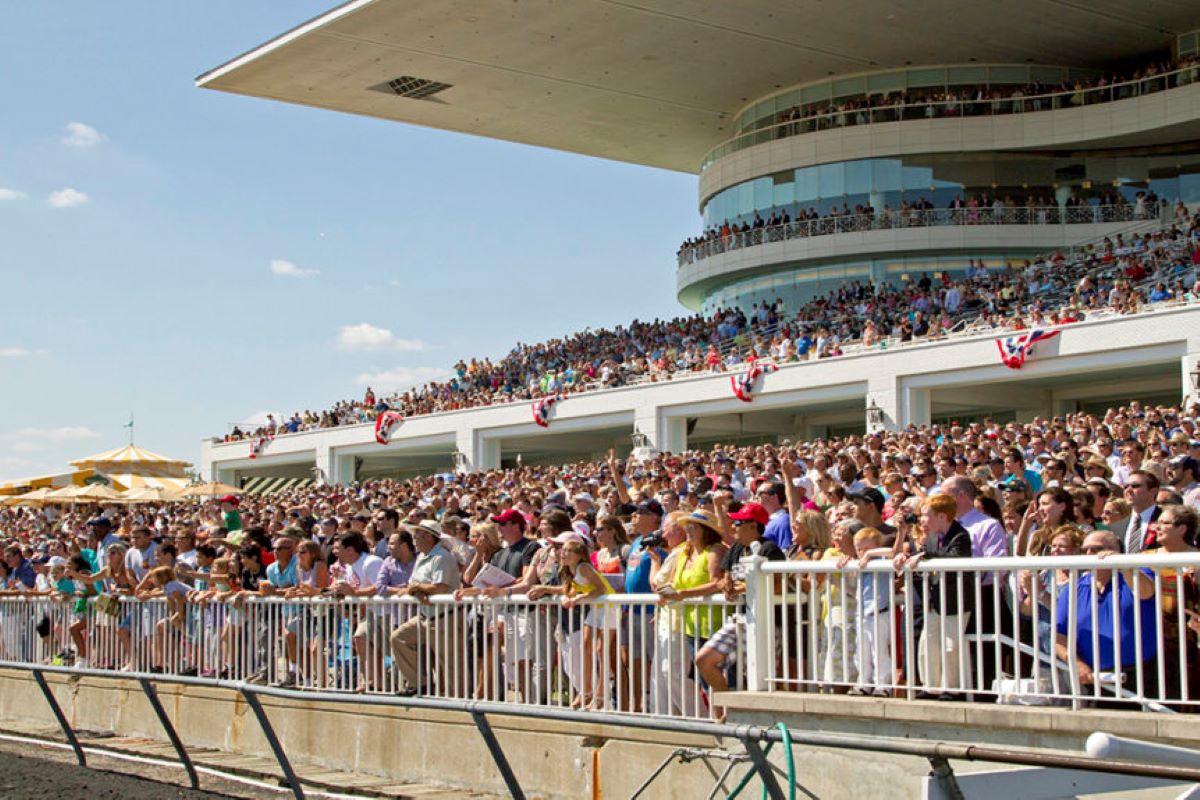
749	523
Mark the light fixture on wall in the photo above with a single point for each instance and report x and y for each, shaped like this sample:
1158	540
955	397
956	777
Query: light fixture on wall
874	416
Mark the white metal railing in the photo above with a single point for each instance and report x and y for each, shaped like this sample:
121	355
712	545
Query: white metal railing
1015	103
980	628
915	218
621	653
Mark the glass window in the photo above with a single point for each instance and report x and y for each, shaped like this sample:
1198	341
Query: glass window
966	76
806	184
745	199
885	174
1047	74
764	194
1008	75
926	77
846	87
858	177
886	82
815	94
831	180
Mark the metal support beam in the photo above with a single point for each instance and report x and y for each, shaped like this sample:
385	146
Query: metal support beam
60	716
493	746
943	774
152	695
269	731
765	773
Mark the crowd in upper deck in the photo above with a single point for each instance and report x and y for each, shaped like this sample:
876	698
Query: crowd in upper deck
1122	274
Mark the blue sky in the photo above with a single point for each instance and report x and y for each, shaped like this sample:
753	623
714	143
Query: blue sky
195	258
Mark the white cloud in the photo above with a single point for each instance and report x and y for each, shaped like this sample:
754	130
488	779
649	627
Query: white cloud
32	440
367	337
401	378
13	352
67	198
82	136
10	194
287	269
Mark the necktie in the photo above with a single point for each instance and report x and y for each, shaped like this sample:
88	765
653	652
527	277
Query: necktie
1135	536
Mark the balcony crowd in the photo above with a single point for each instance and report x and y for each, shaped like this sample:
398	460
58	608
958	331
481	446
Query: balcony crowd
1118	275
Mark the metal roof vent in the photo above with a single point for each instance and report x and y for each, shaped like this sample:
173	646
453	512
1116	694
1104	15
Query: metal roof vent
412	87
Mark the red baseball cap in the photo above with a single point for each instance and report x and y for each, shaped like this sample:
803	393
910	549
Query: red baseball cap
510	515
753	512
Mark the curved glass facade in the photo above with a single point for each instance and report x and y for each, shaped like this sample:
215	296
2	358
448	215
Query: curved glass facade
765	111
888	182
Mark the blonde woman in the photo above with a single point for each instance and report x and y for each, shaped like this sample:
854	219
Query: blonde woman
584	585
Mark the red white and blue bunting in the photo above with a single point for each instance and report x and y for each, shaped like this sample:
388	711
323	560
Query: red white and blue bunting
541	410
743	385
1015	349
259	443
387	424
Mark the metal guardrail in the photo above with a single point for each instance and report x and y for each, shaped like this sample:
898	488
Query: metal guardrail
981	628
918	218
951	109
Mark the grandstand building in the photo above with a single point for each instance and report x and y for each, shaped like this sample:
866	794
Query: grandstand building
857	141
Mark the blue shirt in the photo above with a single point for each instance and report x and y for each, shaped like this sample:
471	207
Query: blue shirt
282	579
779	530
23	574
637	573
1103	623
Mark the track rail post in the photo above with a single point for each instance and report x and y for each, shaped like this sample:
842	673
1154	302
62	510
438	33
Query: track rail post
763	767
268	730
493	746
152	695
60	716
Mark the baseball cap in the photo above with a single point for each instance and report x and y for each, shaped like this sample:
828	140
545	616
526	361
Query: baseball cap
100	521
228	499
870	495
753	512
650	507
510	515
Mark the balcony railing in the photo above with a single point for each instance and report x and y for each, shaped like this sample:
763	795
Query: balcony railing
950	109
1010	630
920	218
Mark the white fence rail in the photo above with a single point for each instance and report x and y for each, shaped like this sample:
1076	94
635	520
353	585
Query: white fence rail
1028	631
623	653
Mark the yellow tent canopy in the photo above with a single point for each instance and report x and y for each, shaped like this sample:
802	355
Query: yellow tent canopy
133	467
55	481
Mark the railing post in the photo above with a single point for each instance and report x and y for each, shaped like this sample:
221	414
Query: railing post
67	730
176	742
759	626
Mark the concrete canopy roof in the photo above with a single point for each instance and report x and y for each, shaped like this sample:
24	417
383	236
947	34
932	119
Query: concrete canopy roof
657	82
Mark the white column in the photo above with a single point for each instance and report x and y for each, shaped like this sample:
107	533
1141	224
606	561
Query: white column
881	391
916	408
482	452
666	434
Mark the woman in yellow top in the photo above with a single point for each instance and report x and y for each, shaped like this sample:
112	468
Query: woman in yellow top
583	584
1174	532
698	573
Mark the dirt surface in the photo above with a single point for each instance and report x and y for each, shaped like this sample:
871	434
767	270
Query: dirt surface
33	772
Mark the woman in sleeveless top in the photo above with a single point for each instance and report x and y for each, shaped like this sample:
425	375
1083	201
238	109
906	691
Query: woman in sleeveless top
312	578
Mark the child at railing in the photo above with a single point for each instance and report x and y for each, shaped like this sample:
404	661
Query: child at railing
169	631
585	585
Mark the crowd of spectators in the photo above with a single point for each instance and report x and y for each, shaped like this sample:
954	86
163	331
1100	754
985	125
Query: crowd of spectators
983	100
676	525
1119	274
982	209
